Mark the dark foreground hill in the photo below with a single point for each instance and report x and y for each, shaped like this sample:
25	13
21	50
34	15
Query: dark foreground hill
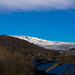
16	56
12	45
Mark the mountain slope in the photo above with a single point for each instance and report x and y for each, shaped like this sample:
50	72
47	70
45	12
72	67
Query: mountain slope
48	44
16	56
12	45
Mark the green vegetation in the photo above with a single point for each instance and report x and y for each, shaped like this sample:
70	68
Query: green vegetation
16	56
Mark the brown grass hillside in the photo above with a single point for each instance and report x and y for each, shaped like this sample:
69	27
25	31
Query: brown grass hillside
16	56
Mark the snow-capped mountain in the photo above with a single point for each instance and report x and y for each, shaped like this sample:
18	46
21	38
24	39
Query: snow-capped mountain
48	44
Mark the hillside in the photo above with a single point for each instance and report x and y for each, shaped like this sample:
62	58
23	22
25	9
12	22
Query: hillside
12	45
53	45
16	56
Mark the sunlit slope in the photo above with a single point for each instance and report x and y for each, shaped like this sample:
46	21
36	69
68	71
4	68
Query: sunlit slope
54	45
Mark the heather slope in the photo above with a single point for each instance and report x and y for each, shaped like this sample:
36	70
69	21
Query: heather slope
16	56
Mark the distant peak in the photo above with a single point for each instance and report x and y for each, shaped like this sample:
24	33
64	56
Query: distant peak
47	44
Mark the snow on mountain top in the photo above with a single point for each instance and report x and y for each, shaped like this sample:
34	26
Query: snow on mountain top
35	40
47	44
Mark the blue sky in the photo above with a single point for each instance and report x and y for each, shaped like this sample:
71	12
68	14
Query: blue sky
55	25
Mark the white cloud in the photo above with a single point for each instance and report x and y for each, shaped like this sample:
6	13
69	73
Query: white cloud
35	5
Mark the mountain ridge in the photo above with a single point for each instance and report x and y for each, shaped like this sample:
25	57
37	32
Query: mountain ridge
54	45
